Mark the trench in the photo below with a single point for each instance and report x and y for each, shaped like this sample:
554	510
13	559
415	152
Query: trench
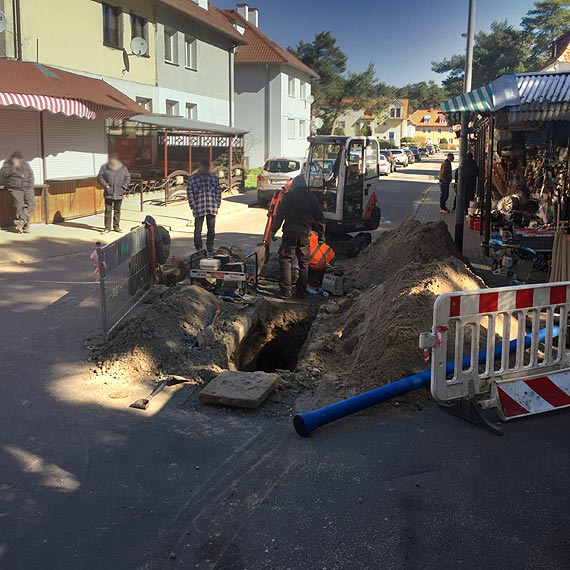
276	340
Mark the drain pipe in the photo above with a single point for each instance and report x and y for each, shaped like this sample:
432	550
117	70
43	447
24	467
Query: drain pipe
304	424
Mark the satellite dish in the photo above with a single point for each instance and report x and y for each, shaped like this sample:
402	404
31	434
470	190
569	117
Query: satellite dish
139	46
311	100
126	61
3	22
318	123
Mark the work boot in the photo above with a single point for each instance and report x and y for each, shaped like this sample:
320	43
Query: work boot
283	294
19	225
118	230
105	231
26	229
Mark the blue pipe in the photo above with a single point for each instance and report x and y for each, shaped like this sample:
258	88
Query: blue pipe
305	423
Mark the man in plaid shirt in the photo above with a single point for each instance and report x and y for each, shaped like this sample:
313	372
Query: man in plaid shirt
204	196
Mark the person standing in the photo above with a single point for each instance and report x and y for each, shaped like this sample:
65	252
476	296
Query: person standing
115	179
204	198
445	178
471	175
18	177
299	213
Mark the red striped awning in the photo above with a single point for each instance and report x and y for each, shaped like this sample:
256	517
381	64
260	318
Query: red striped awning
42	88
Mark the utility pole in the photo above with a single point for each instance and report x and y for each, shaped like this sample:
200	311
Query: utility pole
460	205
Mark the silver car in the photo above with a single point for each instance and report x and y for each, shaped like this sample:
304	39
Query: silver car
276	172
400	157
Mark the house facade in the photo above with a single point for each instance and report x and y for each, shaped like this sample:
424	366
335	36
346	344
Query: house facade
431	126
390	124
272	93
560	57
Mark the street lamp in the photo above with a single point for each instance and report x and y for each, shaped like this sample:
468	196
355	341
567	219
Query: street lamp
467	82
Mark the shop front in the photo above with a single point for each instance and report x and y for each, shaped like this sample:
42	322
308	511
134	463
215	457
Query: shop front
520	136
58	120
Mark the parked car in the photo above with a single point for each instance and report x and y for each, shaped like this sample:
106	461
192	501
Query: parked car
423	151
384	165
436	147
275	174
388	154
430	148
400	157
410	155
416	152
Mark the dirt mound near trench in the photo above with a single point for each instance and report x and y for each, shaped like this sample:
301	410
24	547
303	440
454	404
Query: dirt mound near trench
158	340
372	340
412	242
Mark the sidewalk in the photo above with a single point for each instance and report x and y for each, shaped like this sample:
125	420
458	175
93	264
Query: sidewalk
48	241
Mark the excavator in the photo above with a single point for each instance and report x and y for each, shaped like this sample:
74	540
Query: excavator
343	173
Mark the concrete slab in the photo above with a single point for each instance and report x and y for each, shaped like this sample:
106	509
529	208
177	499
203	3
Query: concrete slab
240	389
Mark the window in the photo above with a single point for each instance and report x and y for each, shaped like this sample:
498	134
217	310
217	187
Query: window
190	59
395	112
138	27
426	119
191	111
291	87
145	103
303	90
290	128
281	166
371	159
302	129
439	130
170	46
171	107
112	26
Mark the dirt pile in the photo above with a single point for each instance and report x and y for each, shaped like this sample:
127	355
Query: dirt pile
371	339
412	242
158	341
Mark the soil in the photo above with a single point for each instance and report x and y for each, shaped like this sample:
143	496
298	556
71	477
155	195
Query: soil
412	242
158	341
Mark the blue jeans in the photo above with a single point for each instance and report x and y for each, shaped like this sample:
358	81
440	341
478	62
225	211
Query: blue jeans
444	194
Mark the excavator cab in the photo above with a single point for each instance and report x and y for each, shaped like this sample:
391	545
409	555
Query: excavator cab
343	173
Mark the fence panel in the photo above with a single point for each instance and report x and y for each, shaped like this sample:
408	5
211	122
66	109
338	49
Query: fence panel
125	275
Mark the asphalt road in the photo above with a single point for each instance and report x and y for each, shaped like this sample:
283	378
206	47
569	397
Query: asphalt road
87	483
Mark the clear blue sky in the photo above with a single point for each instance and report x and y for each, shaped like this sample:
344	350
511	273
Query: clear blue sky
401	37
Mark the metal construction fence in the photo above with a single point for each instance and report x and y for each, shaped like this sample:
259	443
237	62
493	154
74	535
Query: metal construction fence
125	275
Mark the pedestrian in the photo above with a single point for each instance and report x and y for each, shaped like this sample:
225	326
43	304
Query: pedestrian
299	213
17	175
471	171
445	178
204	197
115	179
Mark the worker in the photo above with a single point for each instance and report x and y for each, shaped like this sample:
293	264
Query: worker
204	198
115	179
445	178
299	213
17	175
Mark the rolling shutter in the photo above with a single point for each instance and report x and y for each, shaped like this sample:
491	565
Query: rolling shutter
75	148
19	130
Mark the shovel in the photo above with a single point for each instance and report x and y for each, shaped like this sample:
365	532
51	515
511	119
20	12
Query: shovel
144	403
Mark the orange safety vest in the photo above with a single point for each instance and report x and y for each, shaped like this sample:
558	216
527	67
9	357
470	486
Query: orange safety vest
320	254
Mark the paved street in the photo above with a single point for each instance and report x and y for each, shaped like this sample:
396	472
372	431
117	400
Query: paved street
87	483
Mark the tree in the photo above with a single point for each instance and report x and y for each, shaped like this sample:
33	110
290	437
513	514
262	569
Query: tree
543	24
325	57
422	95
502	50
365	131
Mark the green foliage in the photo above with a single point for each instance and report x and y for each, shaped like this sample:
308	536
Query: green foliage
422	95
407	140
365	131
251	178
385	144
542	25
502	50
339	131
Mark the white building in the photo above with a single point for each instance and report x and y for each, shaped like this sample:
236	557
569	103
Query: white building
272	93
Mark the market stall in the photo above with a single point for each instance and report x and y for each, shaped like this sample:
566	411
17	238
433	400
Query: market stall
161	151
58	120
520	136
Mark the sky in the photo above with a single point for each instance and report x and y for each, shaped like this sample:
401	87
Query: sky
402	37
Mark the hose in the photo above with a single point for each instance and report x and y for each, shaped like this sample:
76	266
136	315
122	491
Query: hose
305	423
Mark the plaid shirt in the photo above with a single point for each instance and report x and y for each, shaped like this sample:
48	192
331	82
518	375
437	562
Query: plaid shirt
204	194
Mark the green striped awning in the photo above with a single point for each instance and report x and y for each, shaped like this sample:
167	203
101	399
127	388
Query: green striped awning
477	101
